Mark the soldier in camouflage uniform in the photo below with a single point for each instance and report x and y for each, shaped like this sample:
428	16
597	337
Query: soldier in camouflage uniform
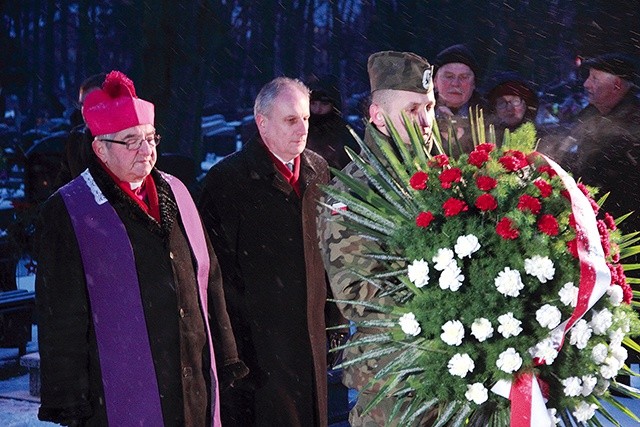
400	82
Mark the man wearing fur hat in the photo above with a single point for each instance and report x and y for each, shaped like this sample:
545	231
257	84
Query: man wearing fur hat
400	83
129	292
456	73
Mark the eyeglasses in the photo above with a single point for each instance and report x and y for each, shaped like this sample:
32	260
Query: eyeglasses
152	140
502	103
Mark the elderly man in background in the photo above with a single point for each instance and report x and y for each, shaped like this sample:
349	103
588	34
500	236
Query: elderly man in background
456	73
129	292
259	208
400	83
607	135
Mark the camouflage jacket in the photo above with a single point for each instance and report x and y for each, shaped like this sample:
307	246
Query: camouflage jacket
342	252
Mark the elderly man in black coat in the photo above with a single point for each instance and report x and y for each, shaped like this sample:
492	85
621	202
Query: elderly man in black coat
259	208
129	293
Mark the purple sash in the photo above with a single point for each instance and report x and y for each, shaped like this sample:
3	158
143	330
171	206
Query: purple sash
128	375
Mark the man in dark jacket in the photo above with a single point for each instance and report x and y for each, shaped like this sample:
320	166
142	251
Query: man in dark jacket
607	135
77	149
258	206
129	291
329	133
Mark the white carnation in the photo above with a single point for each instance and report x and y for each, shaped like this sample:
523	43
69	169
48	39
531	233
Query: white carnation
552	416
615	295
482	329
452	332
442	258
509	325
545	350
477	393
460	365
620	353
466	245
451	277
616	337
599	353
540	267
509	360
580	334
409	324
509	282
584	411
610	367
601	321
548	316
572	386
419	272
588	384
569	294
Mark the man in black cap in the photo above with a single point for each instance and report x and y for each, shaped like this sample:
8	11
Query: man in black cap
456	71
400	82
607	135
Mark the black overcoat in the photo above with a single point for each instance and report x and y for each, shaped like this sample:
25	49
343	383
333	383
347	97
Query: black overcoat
70	372
265	238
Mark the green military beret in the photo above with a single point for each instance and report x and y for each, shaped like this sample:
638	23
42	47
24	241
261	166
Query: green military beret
399	71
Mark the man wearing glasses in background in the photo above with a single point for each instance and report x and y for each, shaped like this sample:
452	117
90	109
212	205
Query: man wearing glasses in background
129	291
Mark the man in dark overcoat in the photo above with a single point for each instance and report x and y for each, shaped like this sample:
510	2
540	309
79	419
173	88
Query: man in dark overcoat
128	289
258	206
607	135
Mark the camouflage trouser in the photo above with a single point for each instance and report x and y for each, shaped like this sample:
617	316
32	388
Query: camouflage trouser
378	416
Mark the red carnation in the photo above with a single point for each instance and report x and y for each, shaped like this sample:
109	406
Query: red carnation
506	229
478	158
513	160
565	194
453	206
627	294
488	147
439	160
548	170
449	176
610	222
583	188
547	224
486	183
572	221
594	206
486	202
529	203
572	247
604	237
544	187
424	219
419	180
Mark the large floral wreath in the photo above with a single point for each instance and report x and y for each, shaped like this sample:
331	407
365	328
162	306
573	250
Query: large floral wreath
511	304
